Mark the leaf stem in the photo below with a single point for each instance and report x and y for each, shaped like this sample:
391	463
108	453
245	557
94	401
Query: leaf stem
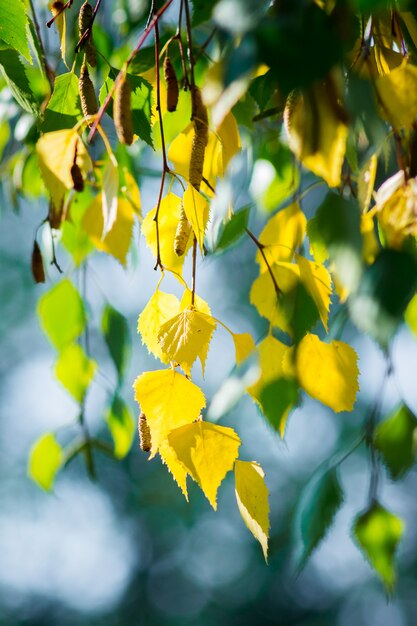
261	250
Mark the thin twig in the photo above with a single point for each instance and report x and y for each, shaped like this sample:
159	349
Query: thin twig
206	43
67	5
261	250
267	113
123	71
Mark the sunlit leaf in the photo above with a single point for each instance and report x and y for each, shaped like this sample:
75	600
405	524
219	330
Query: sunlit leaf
169	400
282	235
61	313
268	302
110	191
160	308
186	337
397	93
244	346
45	459
177	469
396	439
327	371
318	283
252	499
75	370
13	26
117	241
122	426
207	452
197	211
271	354
378	533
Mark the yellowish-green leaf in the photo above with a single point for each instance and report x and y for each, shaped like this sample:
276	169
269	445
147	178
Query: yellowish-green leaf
366	182
110	194
378	533
75	371
267	301
117	241
169	400
252	500
177	469
186	337
61	313
131	192
56	152
122	426
196	209
317	131
326	371
45	459
244	346
397	91
168	218
281	236
207	452
271	354
228	134
61	26
318	283
160	308
411	315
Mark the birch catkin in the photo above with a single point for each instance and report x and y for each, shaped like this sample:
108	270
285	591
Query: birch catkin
123	112
200	139
172	85
87	93
182	234
85	20
144	433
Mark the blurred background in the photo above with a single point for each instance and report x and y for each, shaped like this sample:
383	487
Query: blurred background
128	549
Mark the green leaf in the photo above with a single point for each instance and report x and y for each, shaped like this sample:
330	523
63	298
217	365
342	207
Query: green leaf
116	334
317	507
141	103
384	292
202	10
396	439
240	16
378	532
278	398
14	73
336	228
62	315
75	371
121	425
13	24
45	459
233	230
300	310
63	108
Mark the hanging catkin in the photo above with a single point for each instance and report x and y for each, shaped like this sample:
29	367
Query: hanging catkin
144	433
85	19
182	234
200	139
87	93
172	85
37	264
123	112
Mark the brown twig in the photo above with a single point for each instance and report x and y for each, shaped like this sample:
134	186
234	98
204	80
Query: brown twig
261	248
206	43
67	5
123	71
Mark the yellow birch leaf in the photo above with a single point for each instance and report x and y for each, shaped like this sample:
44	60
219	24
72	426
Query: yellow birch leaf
397	92
160	308
61	25
252	500
318	283
110	194
169	215
56	152
317	130
207	452
328	372
117	241
180	151
170	459
271	354
202	306
196	209
266	300
45	459
228	134
366	182
244	346
131	192
283	233
370	244
169	401
186	337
